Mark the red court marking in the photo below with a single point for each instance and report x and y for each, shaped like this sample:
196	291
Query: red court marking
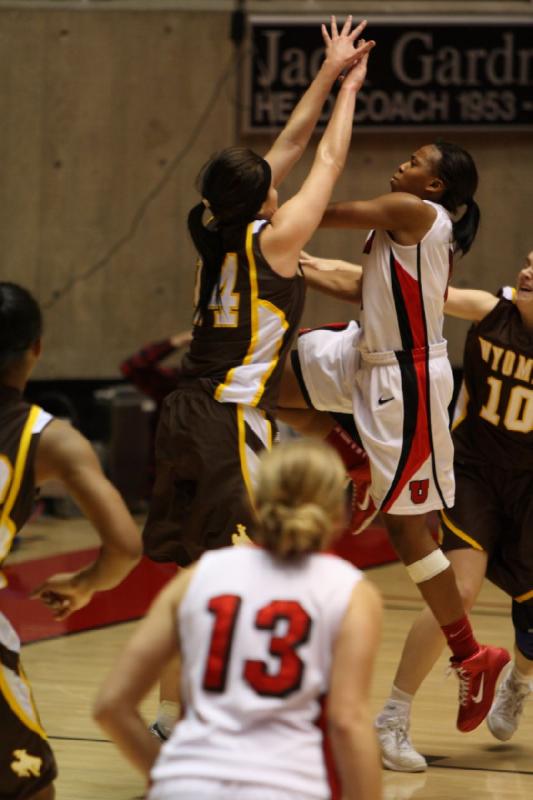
33	621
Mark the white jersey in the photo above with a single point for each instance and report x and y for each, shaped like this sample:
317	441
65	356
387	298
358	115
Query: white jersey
256	638
404	288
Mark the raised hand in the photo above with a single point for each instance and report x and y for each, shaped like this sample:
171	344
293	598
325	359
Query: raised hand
340	47
355	75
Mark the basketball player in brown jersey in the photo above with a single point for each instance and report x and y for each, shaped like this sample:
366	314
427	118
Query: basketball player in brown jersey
34	448
249	303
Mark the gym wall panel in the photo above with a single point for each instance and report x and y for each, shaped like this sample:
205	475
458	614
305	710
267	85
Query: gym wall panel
109	110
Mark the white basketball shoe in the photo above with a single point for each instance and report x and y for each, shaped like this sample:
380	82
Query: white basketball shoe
508	705
397	751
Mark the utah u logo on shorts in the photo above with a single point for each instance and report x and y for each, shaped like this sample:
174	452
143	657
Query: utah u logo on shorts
26	766
419	491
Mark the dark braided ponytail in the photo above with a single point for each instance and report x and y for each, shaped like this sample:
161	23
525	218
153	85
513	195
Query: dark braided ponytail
234	185
457	170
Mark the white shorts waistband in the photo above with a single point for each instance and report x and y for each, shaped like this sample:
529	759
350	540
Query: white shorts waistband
439	350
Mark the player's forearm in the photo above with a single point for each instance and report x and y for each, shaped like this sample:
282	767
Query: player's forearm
131	735
306	113
121	540
356	756
106	510
109	569
338	215
334	145
339	283
470	304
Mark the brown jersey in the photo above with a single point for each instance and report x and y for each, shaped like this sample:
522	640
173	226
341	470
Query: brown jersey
20	426
495	424
238	350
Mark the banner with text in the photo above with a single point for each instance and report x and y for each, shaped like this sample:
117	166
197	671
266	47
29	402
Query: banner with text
427	72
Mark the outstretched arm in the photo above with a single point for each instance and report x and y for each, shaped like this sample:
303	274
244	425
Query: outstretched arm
293	224
397	212
334	277
140	665
64	454
350	723
473	304
293	139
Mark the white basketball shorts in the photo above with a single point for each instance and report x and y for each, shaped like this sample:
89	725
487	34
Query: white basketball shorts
400	406
328	359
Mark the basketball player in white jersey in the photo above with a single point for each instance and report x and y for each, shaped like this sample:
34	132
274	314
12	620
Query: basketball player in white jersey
264	634
402	380
488	530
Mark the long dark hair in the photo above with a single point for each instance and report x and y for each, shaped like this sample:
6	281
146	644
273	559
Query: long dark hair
21	322
234	184
457	170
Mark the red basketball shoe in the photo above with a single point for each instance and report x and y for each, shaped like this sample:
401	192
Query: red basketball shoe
363	509
477	683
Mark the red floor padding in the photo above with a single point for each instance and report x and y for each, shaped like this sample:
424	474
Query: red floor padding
368	549
33	622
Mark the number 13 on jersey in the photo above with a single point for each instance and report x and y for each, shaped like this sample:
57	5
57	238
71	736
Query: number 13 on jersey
287	676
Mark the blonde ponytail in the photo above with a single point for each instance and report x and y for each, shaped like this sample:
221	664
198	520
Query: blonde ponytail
300	498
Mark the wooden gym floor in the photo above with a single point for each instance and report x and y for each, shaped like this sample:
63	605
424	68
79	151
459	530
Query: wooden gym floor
65	672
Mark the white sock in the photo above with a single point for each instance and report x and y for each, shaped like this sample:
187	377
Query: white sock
398	705
519	677
167	716
399	696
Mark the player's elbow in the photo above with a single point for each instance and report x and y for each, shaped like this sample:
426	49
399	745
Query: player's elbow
105	707
132	545
331	158
128	553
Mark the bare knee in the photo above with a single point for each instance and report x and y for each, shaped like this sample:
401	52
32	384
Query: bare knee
468	593
469	567
410	536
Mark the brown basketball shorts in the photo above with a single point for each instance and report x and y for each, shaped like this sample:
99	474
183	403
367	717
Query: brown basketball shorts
27	764
206	461
493	511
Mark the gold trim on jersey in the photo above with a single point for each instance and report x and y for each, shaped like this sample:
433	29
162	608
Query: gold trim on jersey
461	534
270	369
13	703
5	484
256	421
18	474
253	313
269	433
241	426
523	597
461	407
